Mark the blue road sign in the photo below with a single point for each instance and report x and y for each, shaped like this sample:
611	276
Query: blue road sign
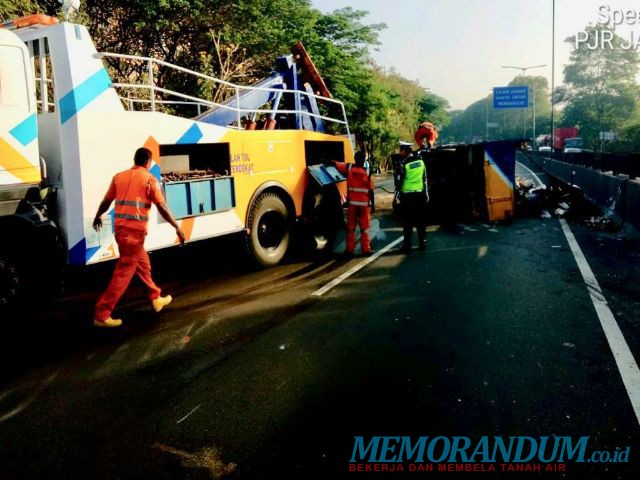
511	97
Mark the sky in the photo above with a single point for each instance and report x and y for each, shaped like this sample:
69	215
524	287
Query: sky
456	48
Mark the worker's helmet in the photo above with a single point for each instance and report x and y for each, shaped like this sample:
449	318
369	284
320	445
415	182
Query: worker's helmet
426	134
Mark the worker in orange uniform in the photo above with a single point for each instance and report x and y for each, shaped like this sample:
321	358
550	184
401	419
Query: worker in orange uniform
360	199
134	191
426	135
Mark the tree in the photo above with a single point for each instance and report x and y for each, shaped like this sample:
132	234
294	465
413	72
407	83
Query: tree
600	92
471	124
238	42
11	8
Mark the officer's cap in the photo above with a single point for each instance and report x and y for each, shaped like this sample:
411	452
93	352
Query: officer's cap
405	145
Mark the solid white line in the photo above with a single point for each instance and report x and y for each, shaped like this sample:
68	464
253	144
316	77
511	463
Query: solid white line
188	415
625	361
355	269
540	182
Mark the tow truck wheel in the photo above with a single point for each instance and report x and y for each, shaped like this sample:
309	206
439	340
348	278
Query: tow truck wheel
326	218
269	230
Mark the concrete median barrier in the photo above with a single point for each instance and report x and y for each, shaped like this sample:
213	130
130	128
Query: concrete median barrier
632	205
560	170
606	190
617	195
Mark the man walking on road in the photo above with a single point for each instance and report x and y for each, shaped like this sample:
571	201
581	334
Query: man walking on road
360	197
134	191
413	200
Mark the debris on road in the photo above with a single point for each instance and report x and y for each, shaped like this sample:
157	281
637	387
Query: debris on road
207	458
601	222
560	201
523	183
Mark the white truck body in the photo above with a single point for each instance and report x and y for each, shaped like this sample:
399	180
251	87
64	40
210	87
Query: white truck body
58	102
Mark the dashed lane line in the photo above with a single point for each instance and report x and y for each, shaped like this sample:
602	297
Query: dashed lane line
336	281
625	361
188	414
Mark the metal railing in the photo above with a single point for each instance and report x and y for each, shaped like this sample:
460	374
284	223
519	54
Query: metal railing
153	90
617	163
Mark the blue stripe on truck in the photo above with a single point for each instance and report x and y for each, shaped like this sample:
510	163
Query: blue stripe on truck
84	94
26	131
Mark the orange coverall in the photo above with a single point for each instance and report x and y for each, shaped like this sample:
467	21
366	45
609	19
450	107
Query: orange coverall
134	191
359	186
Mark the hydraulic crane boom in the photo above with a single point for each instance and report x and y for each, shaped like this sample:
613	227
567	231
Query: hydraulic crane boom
286	95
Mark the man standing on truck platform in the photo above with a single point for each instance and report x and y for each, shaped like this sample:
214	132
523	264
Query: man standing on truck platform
413	199
134	191
360	198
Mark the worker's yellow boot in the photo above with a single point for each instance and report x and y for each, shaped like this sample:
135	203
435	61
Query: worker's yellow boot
161	302
109	322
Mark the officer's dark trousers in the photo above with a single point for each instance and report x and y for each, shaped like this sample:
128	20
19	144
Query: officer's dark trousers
413	209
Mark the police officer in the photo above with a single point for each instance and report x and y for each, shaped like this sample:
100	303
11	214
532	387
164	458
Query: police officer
413	199
398	161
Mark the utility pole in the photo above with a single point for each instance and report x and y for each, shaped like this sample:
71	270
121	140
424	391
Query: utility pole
534	116
486	123
553	67
533	86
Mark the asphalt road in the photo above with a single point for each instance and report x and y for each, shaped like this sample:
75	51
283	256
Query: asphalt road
491	331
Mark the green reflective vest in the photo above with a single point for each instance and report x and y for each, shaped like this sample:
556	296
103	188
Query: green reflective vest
413	180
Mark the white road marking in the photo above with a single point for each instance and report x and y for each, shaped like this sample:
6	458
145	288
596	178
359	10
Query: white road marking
40	388
355	269
188	414
454	249
540	182
625	361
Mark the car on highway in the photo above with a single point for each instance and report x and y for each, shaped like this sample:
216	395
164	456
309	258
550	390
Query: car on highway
545	149
574	145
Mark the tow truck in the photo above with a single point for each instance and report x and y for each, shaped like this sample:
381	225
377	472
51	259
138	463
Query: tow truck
254	163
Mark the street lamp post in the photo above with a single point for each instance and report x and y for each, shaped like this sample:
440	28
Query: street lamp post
486	124
524	71
486	134
553	66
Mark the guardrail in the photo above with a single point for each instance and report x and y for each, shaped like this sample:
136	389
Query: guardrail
625	164
608	181
150	92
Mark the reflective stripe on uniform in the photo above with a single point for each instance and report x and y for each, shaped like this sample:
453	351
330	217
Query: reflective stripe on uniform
133	203
125	216
413	177
356	189
358	204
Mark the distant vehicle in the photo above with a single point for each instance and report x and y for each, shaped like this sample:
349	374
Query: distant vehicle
545	149
543	140
574	145
560	136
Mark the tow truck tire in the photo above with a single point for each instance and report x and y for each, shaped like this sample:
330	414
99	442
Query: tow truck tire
326	219
269	230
